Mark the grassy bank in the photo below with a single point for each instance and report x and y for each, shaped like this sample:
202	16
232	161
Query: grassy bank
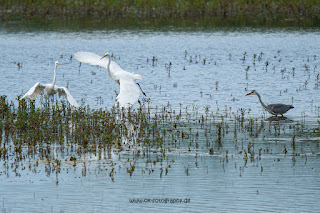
159	8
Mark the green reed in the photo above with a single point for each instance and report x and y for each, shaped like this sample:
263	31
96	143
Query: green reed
55	133
156	8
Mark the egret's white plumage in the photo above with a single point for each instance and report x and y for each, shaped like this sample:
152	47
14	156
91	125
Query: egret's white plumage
129	90
50	89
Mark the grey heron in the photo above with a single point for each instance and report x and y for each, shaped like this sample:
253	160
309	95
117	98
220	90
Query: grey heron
274	109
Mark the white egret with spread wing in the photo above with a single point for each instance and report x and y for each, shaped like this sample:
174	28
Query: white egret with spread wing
129	88
50	89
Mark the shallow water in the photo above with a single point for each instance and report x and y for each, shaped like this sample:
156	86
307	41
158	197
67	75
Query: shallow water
276	182
212	185
224	181
221	82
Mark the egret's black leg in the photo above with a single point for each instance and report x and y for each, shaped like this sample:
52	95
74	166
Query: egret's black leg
141	89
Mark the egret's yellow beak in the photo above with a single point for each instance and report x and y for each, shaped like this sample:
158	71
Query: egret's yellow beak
103	56
58	63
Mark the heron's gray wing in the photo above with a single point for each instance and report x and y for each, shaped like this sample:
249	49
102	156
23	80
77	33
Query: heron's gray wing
129	92
33	93
280	108
64	92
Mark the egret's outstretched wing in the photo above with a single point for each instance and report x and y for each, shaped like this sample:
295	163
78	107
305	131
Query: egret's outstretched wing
94	59
129	92
64	92
33	93
91	58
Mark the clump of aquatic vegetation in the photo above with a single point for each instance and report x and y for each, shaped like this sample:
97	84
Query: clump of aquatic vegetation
155	8
56	134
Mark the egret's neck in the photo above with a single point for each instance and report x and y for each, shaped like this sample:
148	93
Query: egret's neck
54	77
108	68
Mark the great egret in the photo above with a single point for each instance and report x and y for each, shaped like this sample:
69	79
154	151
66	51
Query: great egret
51	89
129	90
274	109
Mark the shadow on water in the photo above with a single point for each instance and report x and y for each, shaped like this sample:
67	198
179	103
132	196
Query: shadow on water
279	119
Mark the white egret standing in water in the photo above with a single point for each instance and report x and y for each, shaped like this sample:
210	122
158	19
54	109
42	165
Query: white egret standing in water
50	89
129	90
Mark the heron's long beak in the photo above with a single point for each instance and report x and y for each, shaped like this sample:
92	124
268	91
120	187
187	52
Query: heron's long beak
249	94
103	56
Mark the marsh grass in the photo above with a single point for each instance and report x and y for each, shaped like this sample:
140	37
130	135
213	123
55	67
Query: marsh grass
56	135
156	8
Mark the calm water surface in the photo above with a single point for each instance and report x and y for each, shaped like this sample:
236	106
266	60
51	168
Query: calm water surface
212	68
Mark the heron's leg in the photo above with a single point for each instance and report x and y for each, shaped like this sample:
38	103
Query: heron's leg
141	89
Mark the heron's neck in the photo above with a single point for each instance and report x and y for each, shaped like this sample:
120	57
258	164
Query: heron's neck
54	77
263	105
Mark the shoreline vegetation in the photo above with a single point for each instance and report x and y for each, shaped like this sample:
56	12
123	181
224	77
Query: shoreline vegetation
31	133
54	121
289	9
